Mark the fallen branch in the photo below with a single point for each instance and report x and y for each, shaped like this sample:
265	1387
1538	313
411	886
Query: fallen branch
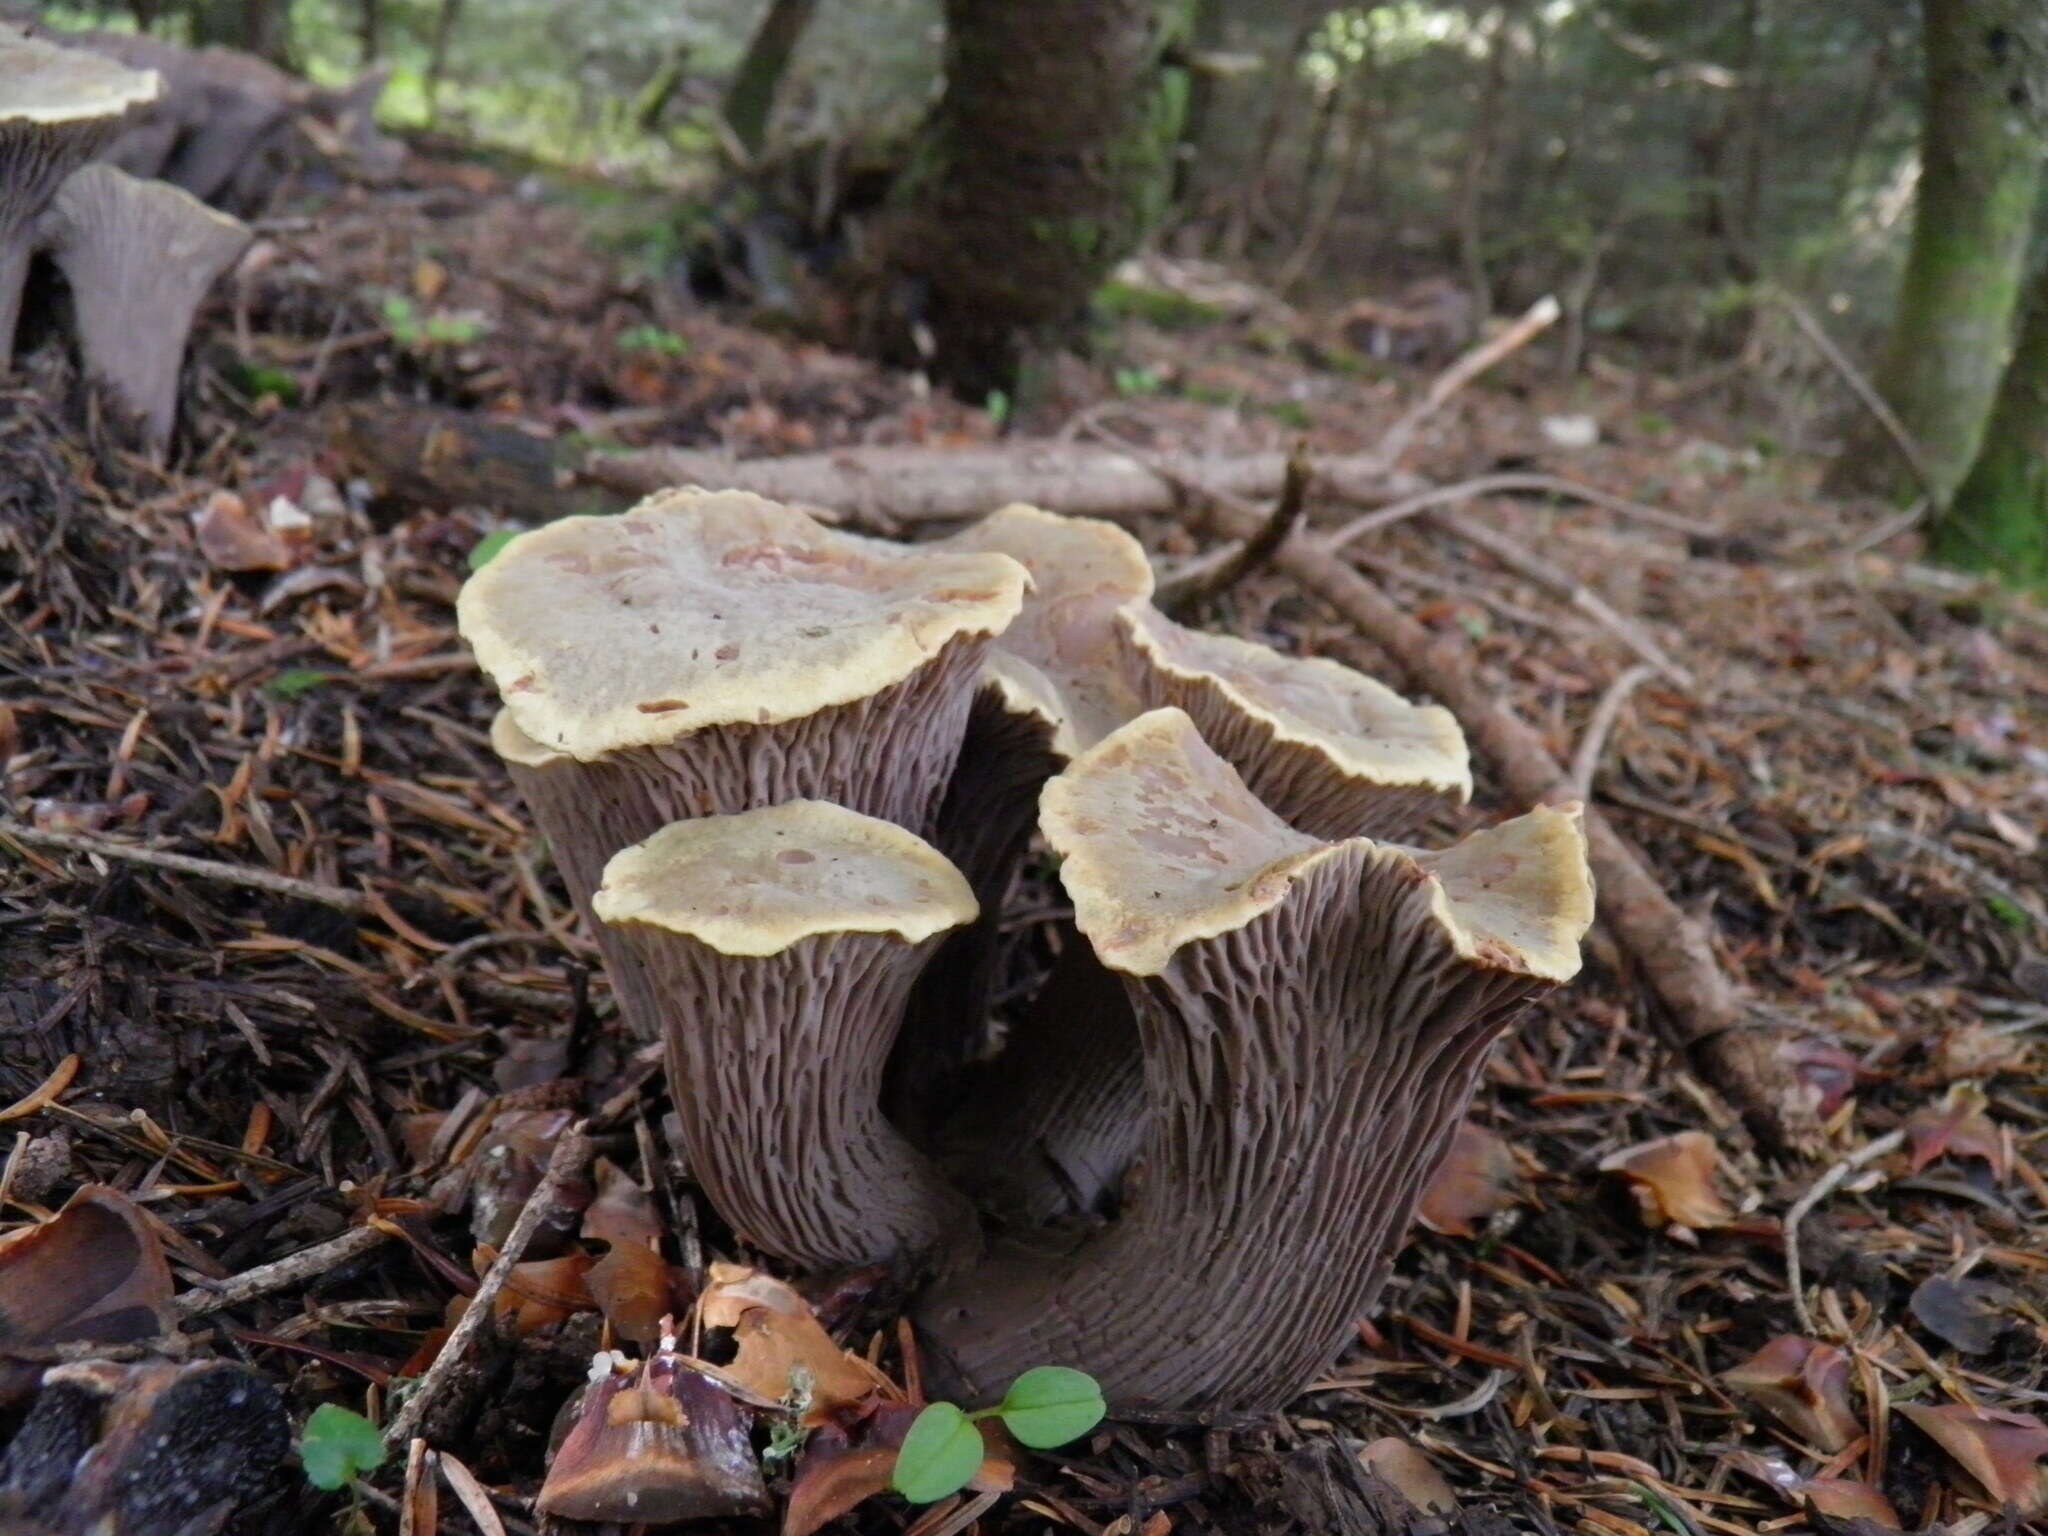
1210	576
1496	485
1865	392
889	486
1570	588
338	897
1540	317
571	1158
1703	1016
1824	1186
1586	760
281	1274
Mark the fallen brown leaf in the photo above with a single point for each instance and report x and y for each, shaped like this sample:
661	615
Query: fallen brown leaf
1673	1179
635	1289
1475	1179
774	1346
1957	1127
1804	1385
2000	1450
622	1213
235	536
94	1273
540	1292
842	1467
1968	1314
1413	1475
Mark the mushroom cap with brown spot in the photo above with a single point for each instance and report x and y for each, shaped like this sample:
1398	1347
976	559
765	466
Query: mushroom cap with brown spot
755	883
1364	728
44	82
1083	573
699	609
1163	845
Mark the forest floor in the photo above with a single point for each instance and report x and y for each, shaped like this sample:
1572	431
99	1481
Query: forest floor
1851	790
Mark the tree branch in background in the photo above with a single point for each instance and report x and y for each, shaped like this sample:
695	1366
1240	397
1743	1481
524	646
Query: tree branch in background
750	98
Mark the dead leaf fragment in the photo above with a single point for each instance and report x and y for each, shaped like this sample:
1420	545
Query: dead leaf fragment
1413	1475
234	537
1958	1127
843	1466
1839	1498
95	1273
622	1213
2002	1451
1803	1384
635	1289
774	1346
1968	1314
1673	1179
1475	1180
732	1290
540	1292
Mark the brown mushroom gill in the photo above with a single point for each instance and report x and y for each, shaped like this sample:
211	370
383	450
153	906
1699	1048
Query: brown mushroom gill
1048	1128
57	106
774	950
1313	1018
705	654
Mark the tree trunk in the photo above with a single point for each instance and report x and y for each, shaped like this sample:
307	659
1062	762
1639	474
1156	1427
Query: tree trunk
1048	159
750	98
1999	519
1980	165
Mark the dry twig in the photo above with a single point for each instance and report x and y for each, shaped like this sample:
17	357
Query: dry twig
1822	1187
1540	317
338	897
571	1157
1495	485
1210	576
280	1274
1586	761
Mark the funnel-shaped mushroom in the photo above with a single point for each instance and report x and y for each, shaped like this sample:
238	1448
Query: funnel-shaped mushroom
1335	753
778	946
1313	1016
139	256
710	653
57	105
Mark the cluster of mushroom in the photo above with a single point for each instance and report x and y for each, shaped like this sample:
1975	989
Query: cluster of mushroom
789	775
138	256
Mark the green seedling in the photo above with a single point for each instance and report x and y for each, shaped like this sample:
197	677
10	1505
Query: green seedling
339	1446
1044	1408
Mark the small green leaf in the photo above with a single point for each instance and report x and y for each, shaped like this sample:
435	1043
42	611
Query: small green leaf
298	680
941	1452
339	1446
1051	1405
486	548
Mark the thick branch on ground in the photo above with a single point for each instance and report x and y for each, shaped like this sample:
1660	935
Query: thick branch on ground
1703	1015
1314	1016
910	485
57	106
139	256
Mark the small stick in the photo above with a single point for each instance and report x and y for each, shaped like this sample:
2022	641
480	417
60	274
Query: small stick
1213	574
1586	761
1573	591
571	1156
338	897
1493	485
1824	1186
279	1274
1540	317
1865	392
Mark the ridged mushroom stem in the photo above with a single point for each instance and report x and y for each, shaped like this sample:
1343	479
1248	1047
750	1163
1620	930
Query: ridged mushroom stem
774	951
1313	1017
58	106
139	257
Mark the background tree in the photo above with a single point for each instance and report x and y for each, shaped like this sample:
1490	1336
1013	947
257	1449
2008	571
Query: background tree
1999	518
1980	166
1048	158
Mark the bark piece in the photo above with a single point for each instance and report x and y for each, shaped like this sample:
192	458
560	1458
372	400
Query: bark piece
1314	1016
780	945
139	257
57	106
154	1449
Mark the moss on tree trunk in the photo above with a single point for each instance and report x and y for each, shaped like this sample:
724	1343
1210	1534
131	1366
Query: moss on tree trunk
1981	155
1047	160
1999	518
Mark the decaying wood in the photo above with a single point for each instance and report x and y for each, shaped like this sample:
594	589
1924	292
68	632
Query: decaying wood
437	457
910	485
